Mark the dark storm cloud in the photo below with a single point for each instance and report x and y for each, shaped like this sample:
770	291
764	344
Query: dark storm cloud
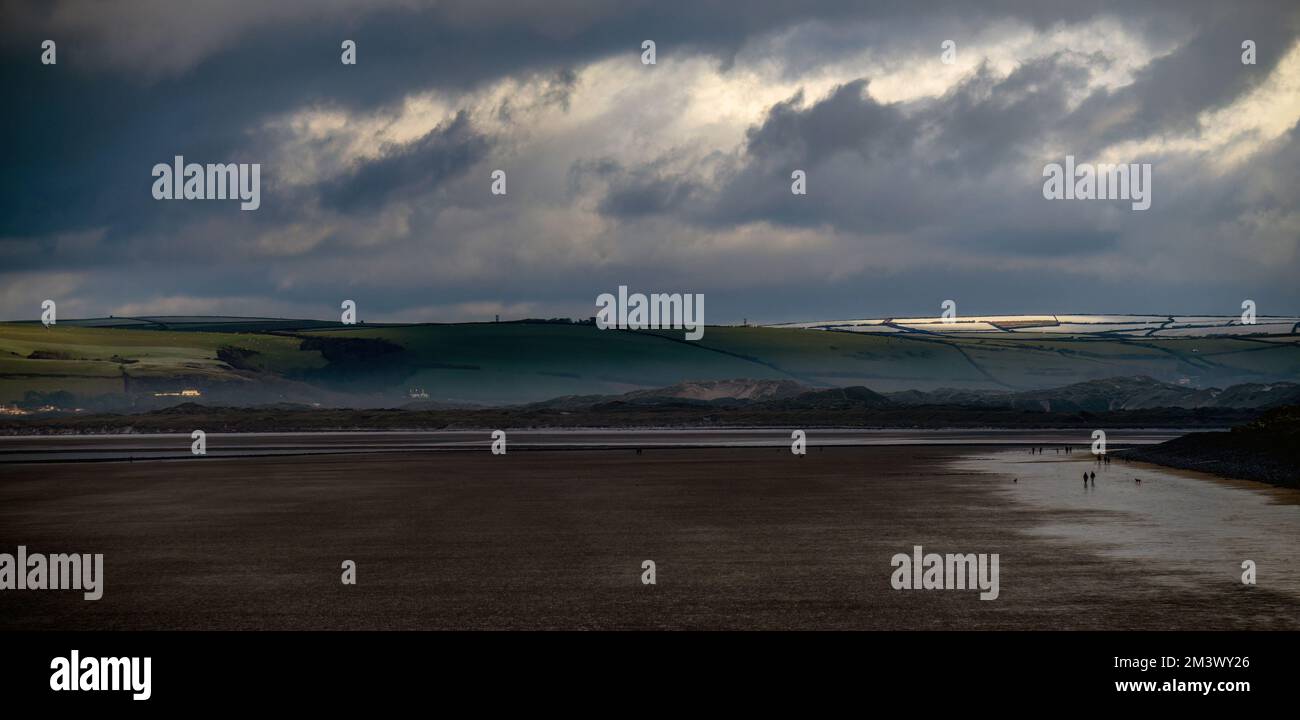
645	196
86	131
86	138
409	170
137	84
86	128
846	120
874	167
1204	74
962	168
833	141
650	189
986	121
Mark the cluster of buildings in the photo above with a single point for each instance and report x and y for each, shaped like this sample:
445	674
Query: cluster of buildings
188	392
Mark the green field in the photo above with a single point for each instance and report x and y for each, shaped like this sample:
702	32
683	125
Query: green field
253	363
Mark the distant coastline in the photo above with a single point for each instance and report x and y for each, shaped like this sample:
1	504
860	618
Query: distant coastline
684	415
1266	450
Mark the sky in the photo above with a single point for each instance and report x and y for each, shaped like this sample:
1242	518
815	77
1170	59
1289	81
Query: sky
924	178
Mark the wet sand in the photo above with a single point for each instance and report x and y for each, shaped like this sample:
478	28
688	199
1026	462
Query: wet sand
1187	528
743	538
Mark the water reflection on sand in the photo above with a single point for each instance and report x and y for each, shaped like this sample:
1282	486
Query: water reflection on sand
1186	527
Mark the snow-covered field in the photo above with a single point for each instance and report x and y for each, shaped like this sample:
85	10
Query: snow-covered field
1121	325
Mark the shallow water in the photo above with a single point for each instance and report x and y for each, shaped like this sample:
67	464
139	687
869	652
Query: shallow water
1186	527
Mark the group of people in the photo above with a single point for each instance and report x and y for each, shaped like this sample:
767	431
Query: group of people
1102	457
1090	477
1039	451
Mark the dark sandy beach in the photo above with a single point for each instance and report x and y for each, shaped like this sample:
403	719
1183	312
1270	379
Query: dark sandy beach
743	538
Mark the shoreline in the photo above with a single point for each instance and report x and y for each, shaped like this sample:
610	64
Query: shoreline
1253	469
220	446
1266	450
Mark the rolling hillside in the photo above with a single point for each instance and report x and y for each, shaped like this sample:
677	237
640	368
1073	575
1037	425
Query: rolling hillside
147	363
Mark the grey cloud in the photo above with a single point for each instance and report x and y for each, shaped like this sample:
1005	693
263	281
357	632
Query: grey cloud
408	171
1203	74
956	173
873	167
